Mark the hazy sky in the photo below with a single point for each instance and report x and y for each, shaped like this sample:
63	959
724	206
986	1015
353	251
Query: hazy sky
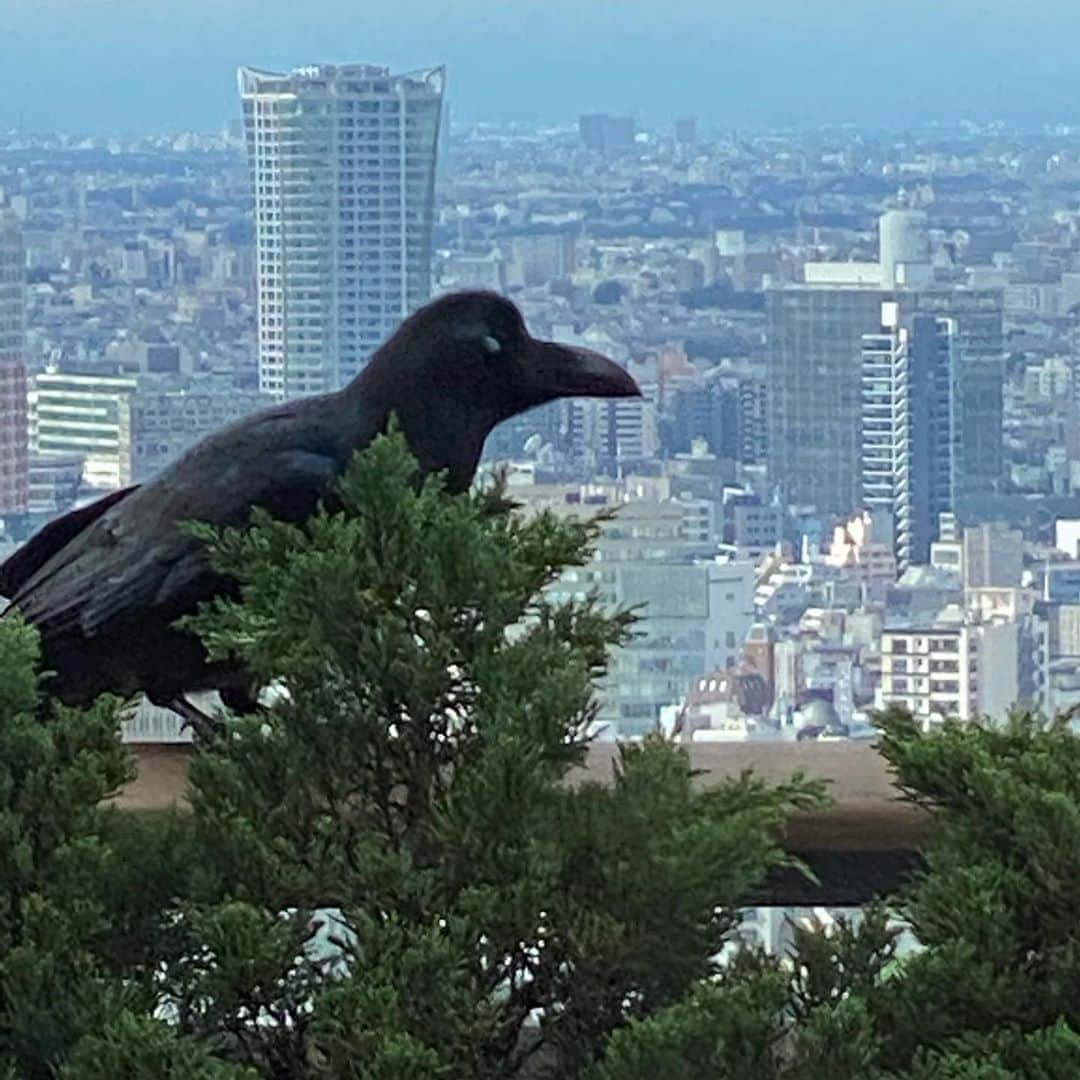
161	65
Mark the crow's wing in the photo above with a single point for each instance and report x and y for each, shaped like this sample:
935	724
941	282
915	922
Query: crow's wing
137	557
49	540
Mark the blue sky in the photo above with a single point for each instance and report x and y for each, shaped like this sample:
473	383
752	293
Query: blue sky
161	65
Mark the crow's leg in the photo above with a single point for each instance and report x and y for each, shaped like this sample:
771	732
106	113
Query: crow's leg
204	726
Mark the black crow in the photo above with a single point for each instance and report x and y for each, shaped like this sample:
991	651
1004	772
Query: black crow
106	584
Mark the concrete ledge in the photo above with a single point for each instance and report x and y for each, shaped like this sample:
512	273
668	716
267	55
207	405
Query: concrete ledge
864	845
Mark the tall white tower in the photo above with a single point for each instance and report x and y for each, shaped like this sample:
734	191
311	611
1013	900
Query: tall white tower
343	169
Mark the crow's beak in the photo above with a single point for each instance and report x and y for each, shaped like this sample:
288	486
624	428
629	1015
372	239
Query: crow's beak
558	371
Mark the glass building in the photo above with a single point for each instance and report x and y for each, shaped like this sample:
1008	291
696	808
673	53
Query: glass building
343	171
815	392
814	364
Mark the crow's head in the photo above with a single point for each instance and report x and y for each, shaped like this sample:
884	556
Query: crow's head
473	348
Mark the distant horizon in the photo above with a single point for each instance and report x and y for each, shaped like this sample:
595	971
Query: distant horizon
129	66
663	126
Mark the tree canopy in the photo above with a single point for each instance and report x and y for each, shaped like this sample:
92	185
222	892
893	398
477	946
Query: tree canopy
397	870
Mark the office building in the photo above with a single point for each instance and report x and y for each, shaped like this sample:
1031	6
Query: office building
125	428
55	483
695	611
606	134
752	527
87	416
686	130
538	258
815	392
980	381
14	459
169	416
703	410
815	333
993	556
909	427
343	171
609	436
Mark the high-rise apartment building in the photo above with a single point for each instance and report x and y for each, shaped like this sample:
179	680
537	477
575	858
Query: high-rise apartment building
980	381
14	459
343	170
909	427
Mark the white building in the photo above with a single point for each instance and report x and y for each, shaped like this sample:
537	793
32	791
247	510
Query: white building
87	415
904	248
886	428
343	170
956	671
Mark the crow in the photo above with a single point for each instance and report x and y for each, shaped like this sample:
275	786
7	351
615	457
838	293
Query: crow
105	584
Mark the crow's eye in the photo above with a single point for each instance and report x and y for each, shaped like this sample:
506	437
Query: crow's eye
491	344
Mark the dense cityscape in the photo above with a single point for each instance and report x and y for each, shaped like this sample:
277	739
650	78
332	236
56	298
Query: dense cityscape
854	475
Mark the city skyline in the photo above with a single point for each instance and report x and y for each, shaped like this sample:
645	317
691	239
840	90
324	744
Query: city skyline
739	280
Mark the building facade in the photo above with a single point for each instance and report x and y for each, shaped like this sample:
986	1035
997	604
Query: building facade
125	428
980	381
815	392
932	671
14	450
952	670
909	427
168	417
815	333
993	556
343	170
87	416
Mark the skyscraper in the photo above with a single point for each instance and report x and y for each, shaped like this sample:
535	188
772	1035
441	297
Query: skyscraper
815	392
14	453
814	362
980	379
909	426
886	428
343	170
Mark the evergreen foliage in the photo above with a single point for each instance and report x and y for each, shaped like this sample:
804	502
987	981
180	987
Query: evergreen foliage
397	871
